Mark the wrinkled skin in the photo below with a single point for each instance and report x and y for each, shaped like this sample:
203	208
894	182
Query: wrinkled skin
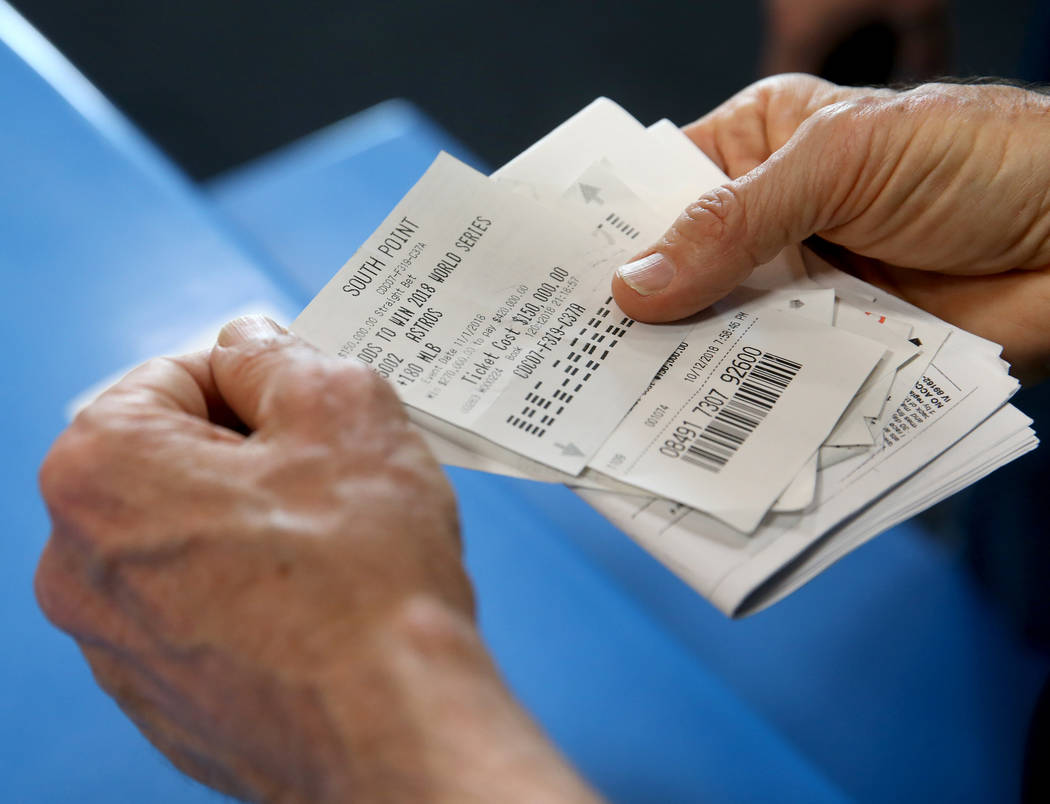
261	562
940	195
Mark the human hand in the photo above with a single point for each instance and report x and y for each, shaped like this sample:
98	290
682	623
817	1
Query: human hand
283	613
940	195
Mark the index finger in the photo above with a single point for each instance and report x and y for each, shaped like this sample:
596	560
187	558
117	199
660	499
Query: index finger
743	132
181	386
176	383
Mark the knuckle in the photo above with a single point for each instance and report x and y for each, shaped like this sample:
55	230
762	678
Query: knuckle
44	583
350	378
772	83
414	467
54	473
712	217
370	394
764	89
833	116
347	376
436	626
333	390
258	357
844	134
937	95
71	463
795	80
316	385
866	110
157	365
942	102
318	396
51	585
370	383
307	382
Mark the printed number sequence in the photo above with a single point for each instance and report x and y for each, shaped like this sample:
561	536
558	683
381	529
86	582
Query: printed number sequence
712	446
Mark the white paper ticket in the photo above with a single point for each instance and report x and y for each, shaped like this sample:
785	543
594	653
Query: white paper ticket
745	403
493	313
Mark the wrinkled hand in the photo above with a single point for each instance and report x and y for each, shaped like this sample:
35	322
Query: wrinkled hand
283	613
940	195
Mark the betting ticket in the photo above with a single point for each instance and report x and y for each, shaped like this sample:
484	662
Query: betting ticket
746	402
493	313
747	447
487	304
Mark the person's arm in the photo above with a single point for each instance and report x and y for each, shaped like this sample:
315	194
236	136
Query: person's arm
940	194
261	562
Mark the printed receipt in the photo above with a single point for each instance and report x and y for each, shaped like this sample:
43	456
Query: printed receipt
493	313
737	411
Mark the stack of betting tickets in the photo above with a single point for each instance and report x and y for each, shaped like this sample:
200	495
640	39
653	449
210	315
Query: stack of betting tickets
747	448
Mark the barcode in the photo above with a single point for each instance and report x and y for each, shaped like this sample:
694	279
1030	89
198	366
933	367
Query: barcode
744	411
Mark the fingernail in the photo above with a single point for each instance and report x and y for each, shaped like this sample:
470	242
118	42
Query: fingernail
248	328
648	275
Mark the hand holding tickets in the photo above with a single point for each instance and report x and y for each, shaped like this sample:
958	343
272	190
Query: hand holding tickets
796	412
773	428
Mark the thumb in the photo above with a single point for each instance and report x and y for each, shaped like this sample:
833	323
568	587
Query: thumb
252	361
276	381
720	238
